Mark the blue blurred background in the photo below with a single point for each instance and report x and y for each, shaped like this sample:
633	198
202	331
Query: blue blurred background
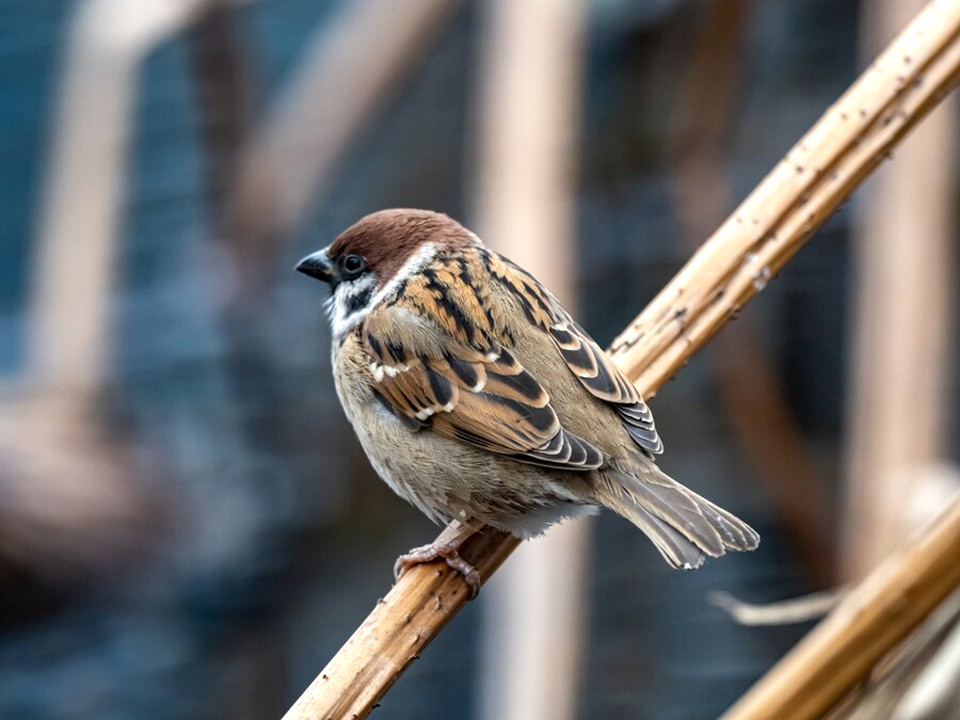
188	528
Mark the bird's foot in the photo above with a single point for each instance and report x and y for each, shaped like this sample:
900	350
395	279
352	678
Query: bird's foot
446	548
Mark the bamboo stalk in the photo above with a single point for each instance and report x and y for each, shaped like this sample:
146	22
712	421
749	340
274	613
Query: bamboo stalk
842	650
892	96
403	623
817	174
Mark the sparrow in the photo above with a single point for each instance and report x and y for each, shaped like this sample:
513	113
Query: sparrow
480	400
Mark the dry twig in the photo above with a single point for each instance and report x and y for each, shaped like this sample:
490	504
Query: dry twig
894	94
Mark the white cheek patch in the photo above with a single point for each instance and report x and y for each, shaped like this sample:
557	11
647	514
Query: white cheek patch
350	303
348	306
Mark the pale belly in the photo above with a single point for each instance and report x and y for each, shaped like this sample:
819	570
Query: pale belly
447	479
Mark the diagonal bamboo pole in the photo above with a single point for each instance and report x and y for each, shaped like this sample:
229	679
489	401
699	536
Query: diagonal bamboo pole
828	163
842	650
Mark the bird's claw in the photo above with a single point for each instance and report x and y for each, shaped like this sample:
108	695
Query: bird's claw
446	551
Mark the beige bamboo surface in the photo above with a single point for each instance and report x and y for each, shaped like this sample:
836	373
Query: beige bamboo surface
736	263
841	651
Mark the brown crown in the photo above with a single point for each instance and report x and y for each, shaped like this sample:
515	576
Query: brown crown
385	239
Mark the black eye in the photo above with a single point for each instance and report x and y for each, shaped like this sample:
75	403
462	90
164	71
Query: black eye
352	266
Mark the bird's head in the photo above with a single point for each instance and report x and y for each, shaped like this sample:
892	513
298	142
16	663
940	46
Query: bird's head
372	258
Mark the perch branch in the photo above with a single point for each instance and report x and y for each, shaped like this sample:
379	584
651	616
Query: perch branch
892	96
908	79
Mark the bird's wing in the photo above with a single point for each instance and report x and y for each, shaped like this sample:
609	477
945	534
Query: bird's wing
587	360
435	370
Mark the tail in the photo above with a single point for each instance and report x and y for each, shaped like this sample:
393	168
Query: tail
684	526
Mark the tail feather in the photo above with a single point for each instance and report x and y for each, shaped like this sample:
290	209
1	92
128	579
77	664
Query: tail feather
684	526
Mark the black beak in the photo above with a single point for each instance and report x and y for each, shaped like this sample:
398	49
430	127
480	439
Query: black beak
318	265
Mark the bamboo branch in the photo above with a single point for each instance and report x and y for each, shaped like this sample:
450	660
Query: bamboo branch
916	71
911	76
842	650
403	623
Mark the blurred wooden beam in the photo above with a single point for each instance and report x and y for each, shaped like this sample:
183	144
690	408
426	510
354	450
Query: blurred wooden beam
220	62
80	213
902	322
72	503
347	73
531	62
736	263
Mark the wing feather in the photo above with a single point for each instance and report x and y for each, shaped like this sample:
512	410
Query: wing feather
587	360
441	358
482	397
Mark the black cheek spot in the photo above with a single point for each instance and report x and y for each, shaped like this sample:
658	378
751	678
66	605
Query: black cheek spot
356	303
